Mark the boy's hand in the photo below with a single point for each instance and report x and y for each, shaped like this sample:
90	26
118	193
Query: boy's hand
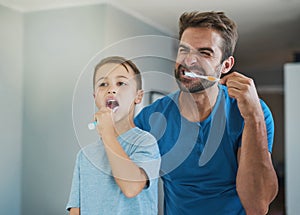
105	125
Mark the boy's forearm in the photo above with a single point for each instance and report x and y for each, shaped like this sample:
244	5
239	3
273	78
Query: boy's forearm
130	178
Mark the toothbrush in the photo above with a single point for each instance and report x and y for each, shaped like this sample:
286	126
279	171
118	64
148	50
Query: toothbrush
193	75
92	125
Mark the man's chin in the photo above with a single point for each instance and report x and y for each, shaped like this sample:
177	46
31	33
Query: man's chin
195	89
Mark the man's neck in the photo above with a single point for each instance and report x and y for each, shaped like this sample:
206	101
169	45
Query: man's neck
196	107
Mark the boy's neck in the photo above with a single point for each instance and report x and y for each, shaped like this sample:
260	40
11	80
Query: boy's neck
124	125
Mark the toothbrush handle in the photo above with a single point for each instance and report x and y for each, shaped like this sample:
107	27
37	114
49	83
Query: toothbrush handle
92	125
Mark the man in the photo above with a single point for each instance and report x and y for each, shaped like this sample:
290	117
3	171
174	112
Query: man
215	137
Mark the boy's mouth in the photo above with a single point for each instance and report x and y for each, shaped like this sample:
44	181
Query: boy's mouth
112	104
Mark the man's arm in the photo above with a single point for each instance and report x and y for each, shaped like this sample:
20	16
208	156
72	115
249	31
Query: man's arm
256	180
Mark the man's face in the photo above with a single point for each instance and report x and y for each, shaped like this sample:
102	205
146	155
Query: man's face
199	52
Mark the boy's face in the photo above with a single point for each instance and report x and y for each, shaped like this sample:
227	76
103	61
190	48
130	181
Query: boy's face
116	88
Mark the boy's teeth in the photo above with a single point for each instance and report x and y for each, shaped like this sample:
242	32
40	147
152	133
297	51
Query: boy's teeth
112	104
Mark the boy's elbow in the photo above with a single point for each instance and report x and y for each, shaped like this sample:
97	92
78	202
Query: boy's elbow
133	189
131	193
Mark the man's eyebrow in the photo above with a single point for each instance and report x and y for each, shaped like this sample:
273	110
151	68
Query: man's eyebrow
205	49
183	46
198	50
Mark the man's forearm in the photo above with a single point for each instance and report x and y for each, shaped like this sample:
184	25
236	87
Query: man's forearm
256	180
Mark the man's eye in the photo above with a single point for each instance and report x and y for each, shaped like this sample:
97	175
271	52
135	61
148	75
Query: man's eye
205	54
183	51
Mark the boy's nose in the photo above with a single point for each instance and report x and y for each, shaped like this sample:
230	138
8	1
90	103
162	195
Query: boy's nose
112	90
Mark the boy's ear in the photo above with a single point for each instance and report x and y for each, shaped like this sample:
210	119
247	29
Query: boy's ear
227	65
139	96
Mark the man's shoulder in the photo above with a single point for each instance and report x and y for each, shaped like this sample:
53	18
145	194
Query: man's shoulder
163	103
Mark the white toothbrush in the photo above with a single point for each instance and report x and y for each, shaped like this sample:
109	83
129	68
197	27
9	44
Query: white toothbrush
93	125
193	75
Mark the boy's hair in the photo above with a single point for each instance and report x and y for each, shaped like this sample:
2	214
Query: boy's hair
215	20
125	63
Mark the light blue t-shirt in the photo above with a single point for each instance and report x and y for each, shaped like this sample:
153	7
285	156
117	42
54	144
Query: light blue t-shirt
94	189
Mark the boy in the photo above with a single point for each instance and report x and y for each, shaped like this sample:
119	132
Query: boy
118	174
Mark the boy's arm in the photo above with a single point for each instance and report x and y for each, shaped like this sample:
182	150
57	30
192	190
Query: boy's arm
130	178
74	211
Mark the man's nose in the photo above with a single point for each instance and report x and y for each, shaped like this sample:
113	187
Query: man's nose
190	59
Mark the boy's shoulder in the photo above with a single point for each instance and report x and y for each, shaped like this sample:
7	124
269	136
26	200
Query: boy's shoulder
138	136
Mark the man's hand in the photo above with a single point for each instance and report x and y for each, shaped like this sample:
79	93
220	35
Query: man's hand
244	91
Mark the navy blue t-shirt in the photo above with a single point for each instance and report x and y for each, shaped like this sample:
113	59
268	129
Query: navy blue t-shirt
199	159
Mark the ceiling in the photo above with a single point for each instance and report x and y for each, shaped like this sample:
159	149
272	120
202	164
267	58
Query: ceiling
269	30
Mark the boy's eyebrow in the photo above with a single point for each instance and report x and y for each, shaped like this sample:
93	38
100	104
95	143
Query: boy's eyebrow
119	76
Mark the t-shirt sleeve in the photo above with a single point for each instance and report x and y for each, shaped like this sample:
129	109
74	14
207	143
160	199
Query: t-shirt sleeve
269	124
74	198
147	156
141	120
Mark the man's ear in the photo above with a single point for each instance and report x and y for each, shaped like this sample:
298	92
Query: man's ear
139	96
227	65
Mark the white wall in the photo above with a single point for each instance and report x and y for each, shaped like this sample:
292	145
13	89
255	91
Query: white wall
11	110
292	143
153	52
58	44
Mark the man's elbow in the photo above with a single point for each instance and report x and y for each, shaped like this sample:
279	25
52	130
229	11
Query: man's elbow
262	206
261	209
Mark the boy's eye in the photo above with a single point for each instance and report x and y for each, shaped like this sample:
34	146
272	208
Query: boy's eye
102	85
121	83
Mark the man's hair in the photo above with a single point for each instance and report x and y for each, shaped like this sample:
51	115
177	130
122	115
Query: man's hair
125	63
215	20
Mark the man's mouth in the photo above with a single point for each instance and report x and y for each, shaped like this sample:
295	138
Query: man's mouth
112	104
183	70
